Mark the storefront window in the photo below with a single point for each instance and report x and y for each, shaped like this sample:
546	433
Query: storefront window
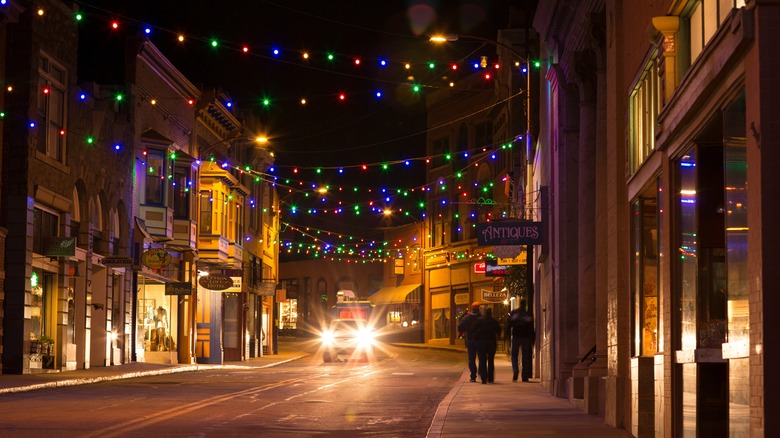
686	296
738	317
288	310
688	251
440	315
644	273
701	290
156	325
38	310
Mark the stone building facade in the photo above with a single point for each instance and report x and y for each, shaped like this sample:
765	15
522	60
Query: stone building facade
65	198
656	146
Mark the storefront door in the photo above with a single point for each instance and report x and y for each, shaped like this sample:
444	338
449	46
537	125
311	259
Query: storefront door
232	320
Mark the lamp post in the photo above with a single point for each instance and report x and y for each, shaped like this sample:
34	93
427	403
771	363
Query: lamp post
527	134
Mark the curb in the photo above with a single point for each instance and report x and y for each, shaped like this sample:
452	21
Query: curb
440	416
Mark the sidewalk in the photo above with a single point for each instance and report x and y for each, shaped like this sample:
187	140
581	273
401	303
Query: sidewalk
509	409
503	409
512	409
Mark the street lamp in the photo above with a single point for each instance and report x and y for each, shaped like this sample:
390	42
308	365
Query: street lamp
261	140
528	145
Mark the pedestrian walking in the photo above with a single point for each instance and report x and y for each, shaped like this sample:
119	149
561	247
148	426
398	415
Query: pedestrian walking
520	327
466	328
487	331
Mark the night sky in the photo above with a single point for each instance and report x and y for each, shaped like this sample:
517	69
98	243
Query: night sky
326	131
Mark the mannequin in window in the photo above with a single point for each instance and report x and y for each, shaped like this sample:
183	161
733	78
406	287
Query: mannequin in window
161	320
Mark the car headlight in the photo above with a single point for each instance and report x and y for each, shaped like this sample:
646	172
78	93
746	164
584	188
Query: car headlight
327	338
365	336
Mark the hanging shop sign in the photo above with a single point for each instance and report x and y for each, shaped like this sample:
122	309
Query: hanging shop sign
216	282
509	233
493	269
116	261
178	288
59	246
156	258
494	296
521	259
479	268
266	288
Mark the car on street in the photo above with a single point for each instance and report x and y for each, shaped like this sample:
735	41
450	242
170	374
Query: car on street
353	338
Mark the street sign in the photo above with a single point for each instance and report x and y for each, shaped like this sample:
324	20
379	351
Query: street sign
116	261
521	259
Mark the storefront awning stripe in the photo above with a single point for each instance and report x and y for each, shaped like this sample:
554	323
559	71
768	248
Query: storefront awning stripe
392	295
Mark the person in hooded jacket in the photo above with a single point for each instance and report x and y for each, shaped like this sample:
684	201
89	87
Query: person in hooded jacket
466	328
520	327
487	331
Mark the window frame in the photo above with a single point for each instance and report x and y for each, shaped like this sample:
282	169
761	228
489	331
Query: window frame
52	141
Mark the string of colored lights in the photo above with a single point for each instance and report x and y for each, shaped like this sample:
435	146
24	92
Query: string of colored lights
268	177
115	22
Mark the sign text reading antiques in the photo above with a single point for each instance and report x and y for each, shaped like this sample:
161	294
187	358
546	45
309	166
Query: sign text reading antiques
509	233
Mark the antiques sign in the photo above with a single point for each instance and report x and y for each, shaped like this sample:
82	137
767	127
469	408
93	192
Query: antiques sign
509	233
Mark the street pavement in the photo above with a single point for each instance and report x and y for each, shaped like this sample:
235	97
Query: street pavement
502	409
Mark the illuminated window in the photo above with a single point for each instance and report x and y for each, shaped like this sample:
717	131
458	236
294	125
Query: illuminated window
643	109
703	20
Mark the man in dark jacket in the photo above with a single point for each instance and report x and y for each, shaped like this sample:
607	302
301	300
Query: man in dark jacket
520	326
487	332
466	327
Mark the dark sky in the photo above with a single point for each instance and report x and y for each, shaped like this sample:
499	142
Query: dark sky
326	131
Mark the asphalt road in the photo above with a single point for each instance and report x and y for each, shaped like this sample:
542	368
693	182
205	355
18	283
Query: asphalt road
394	395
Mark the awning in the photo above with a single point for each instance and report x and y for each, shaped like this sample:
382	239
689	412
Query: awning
392	295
